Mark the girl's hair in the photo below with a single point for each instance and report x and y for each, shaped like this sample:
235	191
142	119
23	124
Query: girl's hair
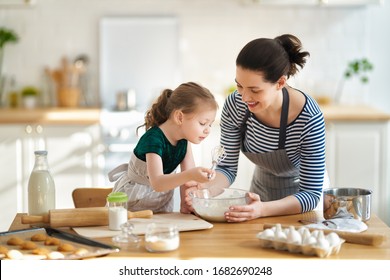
188	97
273	57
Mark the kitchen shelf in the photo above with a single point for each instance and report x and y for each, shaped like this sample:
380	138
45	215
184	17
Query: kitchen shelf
51	116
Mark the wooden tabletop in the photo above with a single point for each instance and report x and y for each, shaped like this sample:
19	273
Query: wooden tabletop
238	240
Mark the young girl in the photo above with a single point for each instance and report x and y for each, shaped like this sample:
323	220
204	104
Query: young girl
175	120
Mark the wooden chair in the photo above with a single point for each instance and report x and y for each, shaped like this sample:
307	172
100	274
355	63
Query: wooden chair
90	197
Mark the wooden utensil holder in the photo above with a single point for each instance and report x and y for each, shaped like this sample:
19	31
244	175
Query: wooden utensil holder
68	96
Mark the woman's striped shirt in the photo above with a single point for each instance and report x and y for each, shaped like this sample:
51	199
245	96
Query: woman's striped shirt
305	145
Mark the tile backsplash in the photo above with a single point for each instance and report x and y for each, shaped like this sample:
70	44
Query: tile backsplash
211	35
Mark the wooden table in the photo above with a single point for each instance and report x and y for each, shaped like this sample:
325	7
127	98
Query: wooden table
238	240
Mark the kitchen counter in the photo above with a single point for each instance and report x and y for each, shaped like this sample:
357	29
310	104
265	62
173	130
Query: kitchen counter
238	240
353	113
50	116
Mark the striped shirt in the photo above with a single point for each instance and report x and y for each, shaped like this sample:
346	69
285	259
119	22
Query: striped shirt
305	145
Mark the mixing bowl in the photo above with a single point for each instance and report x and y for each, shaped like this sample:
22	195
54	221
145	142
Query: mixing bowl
347	203
211	205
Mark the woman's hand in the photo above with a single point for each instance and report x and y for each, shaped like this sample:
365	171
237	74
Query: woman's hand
242	213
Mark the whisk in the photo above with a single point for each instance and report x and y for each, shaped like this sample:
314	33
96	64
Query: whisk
217	154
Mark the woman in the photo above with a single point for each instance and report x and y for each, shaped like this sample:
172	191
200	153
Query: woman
279	128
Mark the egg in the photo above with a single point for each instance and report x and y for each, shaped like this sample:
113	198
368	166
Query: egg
268	234
333	239
309	240
322	242
305	235
280	236
315	233
294	237
303	230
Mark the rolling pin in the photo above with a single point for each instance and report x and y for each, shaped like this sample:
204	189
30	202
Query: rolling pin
79	217
350	237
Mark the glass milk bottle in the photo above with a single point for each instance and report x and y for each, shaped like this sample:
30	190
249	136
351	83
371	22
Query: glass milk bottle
41	188
117	210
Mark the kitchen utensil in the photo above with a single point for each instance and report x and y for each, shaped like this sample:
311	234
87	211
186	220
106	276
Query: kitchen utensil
211	204
217	155
347	203
350	237
91	216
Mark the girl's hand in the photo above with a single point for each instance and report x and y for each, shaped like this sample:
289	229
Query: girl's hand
201	174
186	201
242	213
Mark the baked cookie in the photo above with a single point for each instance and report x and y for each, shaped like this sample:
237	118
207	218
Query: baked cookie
55	255
81	251
52	241
40	251
28	245
66	247
39	237
14	255
3	250
14	240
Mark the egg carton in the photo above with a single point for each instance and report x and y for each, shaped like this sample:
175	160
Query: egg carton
316	249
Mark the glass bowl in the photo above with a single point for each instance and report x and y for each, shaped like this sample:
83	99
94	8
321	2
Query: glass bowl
212	205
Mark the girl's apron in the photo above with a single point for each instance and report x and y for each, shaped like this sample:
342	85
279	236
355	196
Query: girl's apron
132	179
274	176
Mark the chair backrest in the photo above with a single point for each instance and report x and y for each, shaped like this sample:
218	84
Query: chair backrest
90	197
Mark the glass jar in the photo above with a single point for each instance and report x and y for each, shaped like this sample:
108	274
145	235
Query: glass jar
117	210
161	237
41	188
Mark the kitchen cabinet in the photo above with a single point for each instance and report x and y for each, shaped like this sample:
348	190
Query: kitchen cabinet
73	156
357	155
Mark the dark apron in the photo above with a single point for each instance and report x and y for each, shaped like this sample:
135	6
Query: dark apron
275	176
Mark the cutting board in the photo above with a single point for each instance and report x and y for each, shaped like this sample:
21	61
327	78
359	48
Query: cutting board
184	222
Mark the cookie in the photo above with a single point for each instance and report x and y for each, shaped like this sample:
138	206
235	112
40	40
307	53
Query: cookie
52	241
28	245
55	255
39	237
15	241
66	247
3	250
81	251
40	251
14	255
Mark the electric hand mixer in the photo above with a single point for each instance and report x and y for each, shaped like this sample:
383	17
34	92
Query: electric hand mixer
218	154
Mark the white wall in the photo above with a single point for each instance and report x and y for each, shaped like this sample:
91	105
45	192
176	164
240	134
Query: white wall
211	35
